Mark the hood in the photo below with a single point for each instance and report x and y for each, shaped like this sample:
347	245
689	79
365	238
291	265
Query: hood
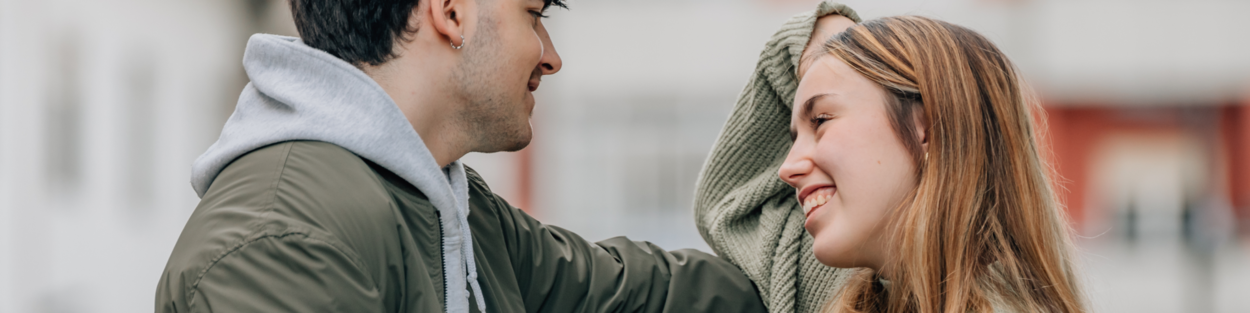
302	93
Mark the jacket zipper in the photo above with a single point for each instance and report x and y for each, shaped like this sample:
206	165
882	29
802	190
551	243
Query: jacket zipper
442	244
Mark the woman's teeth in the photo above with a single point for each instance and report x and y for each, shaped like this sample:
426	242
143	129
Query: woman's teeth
817	198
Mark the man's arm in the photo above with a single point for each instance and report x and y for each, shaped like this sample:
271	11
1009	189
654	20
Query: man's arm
275	273
558	271
270	237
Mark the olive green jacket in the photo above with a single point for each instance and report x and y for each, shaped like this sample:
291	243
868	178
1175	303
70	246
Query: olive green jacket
307	226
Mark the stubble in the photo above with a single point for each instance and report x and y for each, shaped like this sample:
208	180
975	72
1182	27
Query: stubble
489	114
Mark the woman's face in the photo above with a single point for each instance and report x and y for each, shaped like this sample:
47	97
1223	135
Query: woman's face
847	164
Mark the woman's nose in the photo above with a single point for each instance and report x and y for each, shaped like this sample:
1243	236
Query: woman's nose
795	168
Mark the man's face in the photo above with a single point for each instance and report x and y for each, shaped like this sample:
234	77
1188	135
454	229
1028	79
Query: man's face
505	57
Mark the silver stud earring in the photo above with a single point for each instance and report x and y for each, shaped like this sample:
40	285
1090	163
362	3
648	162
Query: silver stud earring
454	46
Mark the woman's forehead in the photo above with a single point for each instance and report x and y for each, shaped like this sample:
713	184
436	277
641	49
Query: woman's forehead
832	80
827	75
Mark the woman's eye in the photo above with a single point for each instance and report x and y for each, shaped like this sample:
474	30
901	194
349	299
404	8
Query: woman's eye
820	119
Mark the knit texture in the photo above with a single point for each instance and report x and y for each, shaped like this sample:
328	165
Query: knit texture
743	210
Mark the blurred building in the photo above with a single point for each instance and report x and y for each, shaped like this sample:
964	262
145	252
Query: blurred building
105	104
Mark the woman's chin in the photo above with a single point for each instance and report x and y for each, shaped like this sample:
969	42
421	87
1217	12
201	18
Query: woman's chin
827	261
833	254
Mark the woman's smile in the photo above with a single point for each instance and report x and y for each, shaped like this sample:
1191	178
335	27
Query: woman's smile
817	198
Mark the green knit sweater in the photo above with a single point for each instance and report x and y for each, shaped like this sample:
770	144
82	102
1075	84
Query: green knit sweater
743	210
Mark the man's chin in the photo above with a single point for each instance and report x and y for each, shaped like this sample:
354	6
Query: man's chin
520	144
510	142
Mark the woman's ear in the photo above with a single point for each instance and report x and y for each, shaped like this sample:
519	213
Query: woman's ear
447	17
922	126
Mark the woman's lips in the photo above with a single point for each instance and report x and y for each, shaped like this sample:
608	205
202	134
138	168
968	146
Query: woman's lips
817	198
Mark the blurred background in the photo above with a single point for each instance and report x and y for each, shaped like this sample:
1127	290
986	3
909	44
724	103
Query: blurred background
104	104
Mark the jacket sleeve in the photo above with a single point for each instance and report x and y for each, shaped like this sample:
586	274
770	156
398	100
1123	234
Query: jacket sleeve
558	271
744	212
282	273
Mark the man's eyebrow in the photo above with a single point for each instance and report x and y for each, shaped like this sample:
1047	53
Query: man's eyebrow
805	113
556	3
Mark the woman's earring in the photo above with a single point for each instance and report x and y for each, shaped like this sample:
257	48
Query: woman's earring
454	46
926	157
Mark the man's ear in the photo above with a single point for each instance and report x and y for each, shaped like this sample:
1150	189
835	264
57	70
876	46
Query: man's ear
448	19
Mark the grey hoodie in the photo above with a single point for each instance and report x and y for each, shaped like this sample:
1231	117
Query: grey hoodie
301	93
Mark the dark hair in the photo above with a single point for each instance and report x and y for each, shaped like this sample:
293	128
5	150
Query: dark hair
358	31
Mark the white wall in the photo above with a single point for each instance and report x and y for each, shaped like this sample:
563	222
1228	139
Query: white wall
1146	52
103	105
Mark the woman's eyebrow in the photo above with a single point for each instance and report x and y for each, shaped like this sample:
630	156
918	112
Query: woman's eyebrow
805	113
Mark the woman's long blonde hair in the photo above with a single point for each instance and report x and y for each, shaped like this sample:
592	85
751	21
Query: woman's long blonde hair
983	228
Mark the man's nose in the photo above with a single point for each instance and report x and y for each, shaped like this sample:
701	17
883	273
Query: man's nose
550	62
796	166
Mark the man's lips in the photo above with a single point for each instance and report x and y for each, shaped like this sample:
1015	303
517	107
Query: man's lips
535	79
